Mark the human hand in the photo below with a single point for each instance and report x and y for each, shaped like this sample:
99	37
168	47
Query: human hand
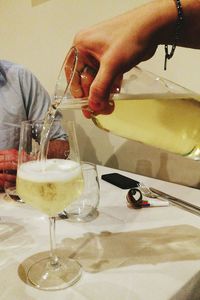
108	50
8	166
80	76
58	149
113	47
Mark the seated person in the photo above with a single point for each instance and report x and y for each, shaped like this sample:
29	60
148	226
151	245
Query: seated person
22	98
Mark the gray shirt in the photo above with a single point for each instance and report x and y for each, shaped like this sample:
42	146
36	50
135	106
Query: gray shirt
21	94
22	97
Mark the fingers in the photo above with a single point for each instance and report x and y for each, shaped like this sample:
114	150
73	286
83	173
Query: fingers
87	80
78	73
73	67
108	109
105	83
87	77
99	96
9	153
8	165
116	87
58	149
8	160
8	179
75	87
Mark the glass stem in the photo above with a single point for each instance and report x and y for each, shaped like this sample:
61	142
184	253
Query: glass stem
53	256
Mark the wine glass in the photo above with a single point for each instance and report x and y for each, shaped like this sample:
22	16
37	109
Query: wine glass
84	209
49	185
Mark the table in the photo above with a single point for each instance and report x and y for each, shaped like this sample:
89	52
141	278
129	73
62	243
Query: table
127	254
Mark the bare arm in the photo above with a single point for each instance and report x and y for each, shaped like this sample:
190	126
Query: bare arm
115	46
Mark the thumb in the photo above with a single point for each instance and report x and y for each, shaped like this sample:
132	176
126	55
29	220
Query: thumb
101	87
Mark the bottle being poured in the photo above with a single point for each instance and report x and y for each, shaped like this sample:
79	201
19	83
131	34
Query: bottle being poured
147	108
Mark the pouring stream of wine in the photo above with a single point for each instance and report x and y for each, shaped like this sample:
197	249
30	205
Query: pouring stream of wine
59	93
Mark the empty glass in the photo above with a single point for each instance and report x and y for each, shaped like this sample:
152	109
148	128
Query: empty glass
84	208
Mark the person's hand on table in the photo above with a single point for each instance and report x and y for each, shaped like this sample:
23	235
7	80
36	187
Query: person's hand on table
8	166
58	149
9	159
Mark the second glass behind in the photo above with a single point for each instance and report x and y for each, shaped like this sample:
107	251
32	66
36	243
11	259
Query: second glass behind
147	108
84	208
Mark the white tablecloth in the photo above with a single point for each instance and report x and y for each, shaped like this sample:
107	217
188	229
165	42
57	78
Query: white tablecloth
126	254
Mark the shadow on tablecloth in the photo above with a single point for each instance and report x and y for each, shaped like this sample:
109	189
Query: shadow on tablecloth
190	291
107	250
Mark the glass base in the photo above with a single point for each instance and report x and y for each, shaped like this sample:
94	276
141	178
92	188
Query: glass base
46	276
76	216
73	217
11	194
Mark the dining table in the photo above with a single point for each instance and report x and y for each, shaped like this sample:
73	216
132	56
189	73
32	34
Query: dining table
152	253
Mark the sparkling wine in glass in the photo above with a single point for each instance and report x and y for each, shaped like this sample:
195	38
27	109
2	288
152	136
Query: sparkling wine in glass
50	185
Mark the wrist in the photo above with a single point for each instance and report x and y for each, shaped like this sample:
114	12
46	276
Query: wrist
166	21
157	19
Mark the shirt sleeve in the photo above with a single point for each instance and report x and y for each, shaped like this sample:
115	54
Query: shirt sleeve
37	100
35	97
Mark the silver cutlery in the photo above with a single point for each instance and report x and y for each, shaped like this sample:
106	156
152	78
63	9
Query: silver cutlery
192	208
145	190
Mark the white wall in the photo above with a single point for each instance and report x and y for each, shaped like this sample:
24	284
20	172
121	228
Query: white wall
38	34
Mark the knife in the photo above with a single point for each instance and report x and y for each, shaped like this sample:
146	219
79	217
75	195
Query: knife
179	202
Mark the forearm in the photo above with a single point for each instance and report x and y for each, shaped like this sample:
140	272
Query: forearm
191	28
164	18
115	46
